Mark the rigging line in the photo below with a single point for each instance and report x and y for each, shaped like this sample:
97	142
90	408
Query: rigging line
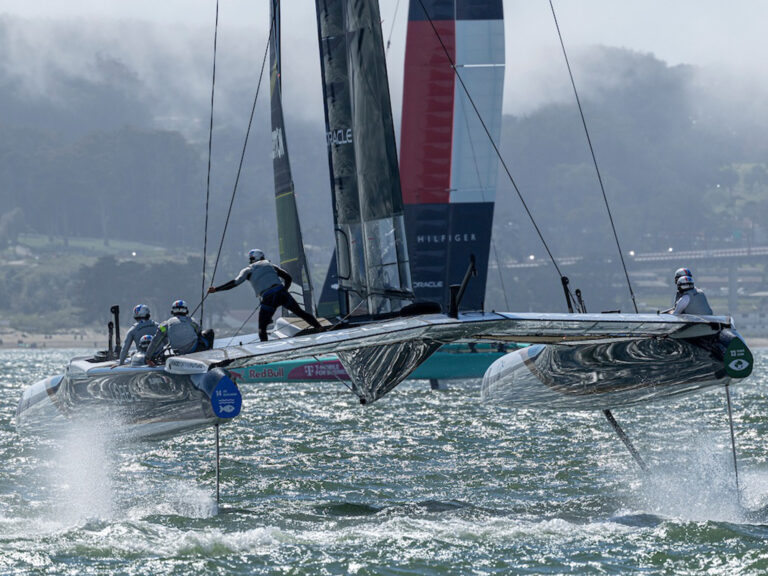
482	193
242	155
199	304
392	28
490	138
208	182
362	301
335	374
245	322
594	158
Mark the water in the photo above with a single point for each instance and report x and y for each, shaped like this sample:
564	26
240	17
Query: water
422	482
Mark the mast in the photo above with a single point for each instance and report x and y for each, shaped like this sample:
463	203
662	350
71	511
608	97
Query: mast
447	164
372	255
292	257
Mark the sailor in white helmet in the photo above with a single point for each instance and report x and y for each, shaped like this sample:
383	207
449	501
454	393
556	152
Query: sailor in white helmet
139	357
180	331
143	327
693	300
679	273
265	279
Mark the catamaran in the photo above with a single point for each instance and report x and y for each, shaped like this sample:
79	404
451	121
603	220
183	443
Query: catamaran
142	401
385	334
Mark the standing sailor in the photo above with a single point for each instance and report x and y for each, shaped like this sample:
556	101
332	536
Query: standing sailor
143	327
692	300
180	331
265	279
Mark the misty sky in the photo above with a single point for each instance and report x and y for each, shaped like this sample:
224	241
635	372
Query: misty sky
708	33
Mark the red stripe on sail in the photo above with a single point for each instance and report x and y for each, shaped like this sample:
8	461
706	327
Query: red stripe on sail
427	123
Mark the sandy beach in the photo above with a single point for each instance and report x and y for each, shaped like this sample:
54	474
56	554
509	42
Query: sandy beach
82	338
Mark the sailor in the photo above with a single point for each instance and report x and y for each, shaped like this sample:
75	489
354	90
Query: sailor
143	326
692	300
181	332
265	279
679	273
139	357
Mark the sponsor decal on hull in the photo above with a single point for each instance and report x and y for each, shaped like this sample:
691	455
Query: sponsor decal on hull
226	400
325	370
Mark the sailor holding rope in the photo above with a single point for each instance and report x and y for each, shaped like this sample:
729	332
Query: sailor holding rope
265	278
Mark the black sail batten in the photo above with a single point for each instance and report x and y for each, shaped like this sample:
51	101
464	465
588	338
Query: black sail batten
292	257
372	257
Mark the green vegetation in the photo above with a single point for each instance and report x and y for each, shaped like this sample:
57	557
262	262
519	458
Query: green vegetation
88	180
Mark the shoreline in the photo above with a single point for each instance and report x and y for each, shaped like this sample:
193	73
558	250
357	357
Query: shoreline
82	338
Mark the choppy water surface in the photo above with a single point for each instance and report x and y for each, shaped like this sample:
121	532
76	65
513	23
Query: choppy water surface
422	482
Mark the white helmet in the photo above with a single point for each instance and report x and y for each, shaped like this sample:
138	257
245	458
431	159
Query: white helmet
141	312
684	283
179	308
144	342
255	255
682	272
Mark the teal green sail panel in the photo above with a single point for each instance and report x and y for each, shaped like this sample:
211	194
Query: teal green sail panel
292	257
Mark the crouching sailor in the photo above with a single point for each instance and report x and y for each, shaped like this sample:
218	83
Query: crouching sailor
143	327
180	332
265	279
139	357
692	300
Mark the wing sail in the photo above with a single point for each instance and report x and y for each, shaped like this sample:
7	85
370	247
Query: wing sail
292	257
447	163
371	250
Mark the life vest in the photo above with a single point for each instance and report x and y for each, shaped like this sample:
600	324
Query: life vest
697	303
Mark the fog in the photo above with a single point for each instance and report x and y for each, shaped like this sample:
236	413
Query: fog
104	109
146	36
